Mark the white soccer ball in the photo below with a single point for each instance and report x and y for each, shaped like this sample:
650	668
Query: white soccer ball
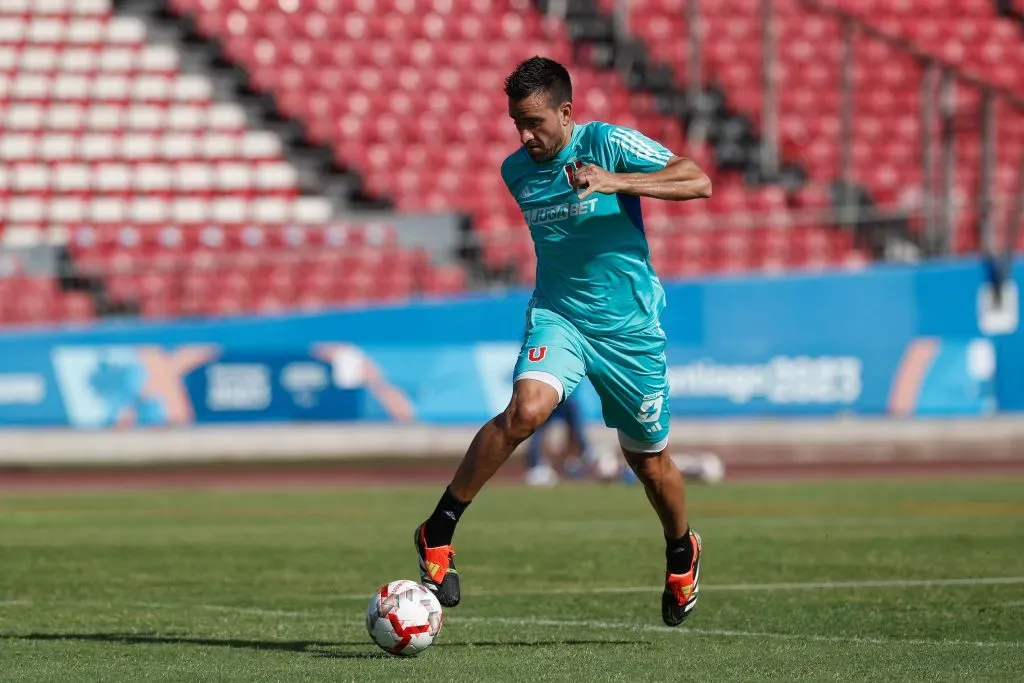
404	618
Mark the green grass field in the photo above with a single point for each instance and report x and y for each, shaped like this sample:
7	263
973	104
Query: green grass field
873	580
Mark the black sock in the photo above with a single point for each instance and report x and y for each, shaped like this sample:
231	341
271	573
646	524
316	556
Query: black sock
679	553
441	526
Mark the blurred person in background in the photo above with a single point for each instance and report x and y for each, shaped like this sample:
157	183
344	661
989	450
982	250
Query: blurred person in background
545	465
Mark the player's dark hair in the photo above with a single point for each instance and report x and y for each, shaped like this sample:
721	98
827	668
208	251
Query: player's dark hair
540	75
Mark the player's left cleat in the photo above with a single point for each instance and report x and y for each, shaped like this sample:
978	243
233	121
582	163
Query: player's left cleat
681	589
437	570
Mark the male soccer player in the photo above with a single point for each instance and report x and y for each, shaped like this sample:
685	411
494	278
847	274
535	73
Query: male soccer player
595	311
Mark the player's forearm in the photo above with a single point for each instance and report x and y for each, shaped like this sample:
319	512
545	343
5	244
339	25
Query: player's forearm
679	181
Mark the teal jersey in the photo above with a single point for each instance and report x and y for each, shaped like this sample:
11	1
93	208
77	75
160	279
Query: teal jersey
593	262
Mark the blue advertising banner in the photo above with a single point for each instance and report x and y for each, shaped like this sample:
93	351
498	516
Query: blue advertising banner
29	394
892	340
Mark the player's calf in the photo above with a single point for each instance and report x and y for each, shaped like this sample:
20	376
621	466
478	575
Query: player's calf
665	489
664	486
532	403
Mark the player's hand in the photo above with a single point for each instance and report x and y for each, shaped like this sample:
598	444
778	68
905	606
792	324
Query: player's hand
591	179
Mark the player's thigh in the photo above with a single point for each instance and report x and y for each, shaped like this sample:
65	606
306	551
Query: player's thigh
630	375
552	354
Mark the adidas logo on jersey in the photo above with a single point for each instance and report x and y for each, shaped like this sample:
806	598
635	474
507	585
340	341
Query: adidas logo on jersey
526	193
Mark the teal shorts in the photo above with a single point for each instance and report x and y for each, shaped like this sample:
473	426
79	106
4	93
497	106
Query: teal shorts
628	371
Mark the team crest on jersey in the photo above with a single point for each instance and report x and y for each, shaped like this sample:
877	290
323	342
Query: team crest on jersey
570	171
536	354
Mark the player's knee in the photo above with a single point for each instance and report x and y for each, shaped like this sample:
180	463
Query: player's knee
650	468
526	413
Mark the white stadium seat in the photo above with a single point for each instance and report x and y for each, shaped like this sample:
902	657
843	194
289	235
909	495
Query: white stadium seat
225	116
189	211
112	177
184	117
31	178
233	176
89	6
25	210
229	210
151	88
68	210
276	176
146	117
270	210
84	31
193	177
146	210
46	31
118	59
178	146
153	178
98	146
158	58
216	146
139	146
39	59
108	87
126	30
311	210
15	147
107	210
192	88
31	86
71	178
71	86
78	60
106	117
55	147
65	116
260	145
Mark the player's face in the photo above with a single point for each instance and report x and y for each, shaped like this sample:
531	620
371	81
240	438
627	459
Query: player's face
543	127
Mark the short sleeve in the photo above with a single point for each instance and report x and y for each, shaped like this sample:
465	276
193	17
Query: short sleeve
633	152
505	173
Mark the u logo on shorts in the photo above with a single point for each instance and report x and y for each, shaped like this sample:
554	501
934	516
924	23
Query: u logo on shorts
536	354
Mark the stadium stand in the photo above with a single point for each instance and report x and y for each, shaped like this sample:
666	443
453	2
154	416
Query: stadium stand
887	85
108	145
149	173
379	82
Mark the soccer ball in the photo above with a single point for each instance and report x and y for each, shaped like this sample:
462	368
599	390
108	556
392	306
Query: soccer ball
404	618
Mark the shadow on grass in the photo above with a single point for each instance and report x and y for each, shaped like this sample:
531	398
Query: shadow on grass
316	648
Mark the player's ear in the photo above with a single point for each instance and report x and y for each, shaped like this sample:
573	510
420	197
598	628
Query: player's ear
565	113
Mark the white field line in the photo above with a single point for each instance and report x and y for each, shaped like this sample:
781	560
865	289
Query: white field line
1012	603
725	633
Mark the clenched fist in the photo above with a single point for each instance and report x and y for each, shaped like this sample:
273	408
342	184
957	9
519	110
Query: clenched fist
592	178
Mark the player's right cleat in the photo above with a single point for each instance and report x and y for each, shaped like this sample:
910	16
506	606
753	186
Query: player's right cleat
681	589
437	569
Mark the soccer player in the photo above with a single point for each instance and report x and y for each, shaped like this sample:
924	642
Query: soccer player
595	312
